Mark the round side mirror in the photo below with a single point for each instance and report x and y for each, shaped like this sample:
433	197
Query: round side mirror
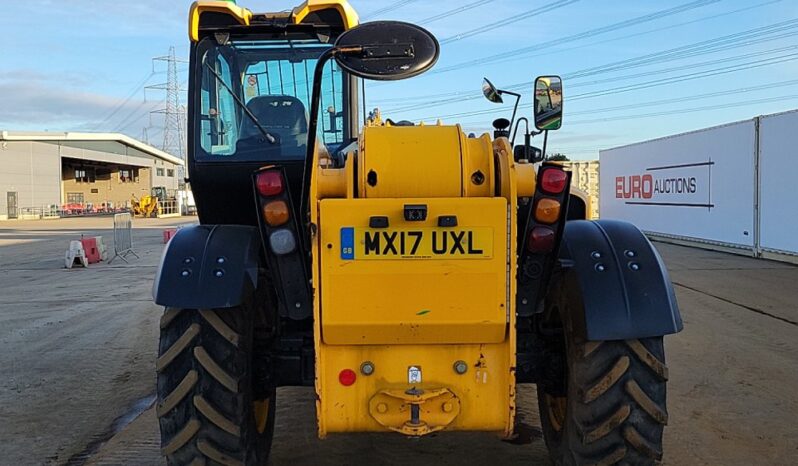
490	92
386	50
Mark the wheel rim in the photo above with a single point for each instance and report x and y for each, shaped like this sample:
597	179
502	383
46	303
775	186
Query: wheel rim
556	407
261	410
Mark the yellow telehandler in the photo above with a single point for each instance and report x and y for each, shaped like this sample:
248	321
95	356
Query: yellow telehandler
411	274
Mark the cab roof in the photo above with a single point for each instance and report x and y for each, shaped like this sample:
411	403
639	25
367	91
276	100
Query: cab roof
207	14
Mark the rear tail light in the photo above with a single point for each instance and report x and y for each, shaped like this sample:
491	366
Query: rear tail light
547	211
282	241
269	183
553	180
545	224
541	240
276	213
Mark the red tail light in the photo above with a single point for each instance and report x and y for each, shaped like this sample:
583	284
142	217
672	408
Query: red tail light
553	180
270	183
541	239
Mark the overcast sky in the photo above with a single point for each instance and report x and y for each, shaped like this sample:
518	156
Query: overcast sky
634	69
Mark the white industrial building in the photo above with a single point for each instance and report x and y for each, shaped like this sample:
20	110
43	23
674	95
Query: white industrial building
46	172
585	176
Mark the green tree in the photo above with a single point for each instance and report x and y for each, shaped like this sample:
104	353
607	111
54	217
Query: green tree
558	157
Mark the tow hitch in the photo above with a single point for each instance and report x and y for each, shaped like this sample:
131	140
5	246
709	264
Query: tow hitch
415	412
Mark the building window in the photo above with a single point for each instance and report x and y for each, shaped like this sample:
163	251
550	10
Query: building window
74	198
84	175
159	171
170	173
129	175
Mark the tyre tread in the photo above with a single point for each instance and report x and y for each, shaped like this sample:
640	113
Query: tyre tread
179	345
176	396
222	328
215	370
213	415
182	437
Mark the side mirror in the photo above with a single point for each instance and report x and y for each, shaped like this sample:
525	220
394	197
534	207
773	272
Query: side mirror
333	120
548	103
490	92
531	153
386	50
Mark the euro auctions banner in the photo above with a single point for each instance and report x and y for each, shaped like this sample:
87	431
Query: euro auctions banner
697	185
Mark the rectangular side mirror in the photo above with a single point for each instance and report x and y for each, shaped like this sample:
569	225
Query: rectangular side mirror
548	103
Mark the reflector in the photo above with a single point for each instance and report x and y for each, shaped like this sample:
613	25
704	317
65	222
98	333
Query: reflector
347	377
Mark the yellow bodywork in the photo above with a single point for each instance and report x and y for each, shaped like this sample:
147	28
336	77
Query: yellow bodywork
243	16
410	311
421	312
146	206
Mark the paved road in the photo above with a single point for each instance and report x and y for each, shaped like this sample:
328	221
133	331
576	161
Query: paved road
77	349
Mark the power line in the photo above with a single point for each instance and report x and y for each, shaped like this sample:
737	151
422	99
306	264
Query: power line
119	106
630	36
453	11
690	76
583	35
129	115
649	84
393	6
684	67
513	19
753	36
756	35
122	126
698	48
561	50
687	110
707	95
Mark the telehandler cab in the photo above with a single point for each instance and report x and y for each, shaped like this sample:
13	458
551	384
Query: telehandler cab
410	274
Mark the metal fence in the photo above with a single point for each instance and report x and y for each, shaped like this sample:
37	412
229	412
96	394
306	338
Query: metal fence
34	213
168	207
123	237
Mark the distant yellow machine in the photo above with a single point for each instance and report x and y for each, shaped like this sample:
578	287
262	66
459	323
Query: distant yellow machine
413	275
145	206
148	205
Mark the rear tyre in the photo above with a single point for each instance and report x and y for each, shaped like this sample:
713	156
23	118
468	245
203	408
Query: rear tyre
613	407
213	407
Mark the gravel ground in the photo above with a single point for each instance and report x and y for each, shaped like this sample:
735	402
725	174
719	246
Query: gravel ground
77	350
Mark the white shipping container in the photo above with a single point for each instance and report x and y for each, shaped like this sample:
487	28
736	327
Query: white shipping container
697	185
778	174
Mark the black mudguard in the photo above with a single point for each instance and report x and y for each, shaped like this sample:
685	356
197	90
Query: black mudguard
208	266
624	286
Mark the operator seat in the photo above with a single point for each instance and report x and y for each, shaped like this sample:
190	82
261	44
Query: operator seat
281	115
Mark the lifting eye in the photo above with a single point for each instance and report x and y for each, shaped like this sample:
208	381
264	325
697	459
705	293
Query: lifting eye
371	178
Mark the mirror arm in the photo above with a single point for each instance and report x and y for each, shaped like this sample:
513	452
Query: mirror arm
515	131
545	140
315	103
515	108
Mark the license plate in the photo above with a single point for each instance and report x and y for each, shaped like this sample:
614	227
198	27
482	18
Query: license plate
416	243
